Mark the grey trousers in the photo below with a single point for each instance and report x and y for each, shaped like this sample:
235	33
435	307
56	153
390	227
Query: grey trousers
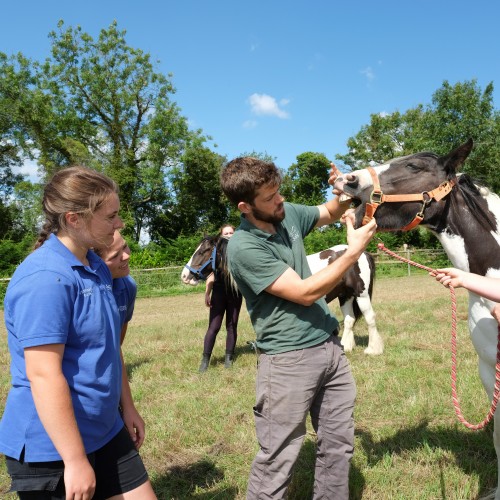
316	381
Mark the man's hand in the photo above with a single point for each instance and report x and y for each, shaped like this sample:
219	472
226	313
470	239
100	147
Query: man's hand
335	173
358	239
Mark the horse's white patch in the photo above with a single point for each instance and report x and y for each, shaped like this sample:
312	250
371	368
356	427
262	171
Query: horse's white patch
186	272
493	202
375	341
454	246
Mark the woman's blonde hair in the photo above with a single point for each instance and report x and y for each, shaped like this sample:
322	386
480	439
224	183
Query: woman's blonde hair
73	189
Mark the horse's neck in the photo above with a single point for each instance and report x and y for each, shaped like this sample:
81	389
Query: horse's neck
469	245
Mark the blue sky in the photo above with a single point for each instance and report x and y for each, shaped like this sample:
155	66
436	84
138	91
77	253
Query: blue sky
286	77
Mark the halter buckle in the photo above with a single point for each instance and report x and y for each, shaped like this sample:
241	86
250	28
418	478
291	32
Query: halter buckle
424	205
376	197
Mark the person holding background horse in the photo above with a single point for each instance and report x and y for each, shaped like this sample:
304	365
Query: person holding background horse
302	368
116	257
61	431
222	299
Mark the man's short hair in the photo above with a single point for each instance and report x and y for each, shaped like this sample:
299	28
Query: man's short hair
243	176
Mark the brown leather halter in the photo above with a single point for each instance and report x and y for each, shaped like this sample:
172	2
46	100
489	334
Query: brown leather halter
377	197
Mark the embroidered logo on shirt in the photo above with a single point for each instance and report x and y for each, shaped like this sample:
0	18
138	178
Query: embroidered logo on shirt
122	308
86	292
294	234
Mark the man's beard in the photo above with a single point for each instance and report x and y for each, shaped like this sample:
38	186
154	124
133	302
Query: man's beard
275	218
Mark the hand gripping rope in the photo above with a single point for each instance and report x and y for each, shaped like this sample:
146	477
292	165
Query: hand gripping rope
456	402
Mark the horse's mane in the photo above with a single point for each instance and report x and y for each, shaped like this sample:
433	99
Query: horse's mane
222	265
470	190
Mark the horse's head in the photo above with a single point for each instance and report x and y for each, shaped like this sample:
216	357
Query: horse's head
410	190
200	264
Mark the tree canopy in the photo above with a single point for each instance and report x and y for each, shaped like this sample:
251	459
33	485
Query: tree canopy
103	104
99	103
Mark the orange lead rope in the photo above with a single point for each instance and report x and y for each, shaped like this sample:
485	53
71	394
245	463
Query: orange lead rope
456	402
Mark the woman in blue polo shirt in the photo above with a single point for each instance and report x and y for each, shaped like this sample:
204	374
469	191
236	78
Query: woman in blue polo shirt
61	431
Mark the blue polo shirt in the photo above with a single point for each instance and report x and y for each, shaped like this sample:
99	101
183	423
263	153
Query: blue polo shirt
125	292
53	298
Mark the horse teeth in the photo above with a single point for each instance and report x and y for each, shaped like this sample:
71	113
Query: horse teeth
344	197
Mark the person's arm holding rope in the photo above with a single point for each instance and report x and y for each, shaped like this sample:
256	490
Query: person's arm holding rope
486	287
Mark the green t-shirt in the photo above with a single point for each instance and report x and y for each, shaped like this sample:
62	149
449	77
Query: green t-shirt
257	259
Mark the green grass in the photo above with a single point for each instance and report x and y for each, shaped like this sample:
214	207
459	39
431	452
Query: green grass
409	444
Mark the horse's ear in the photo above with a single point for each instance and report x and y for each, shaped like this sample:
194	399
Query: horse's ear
454	161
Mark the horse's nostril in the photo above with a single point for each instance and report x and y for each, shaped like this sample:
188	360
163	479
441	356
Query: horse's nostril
352	180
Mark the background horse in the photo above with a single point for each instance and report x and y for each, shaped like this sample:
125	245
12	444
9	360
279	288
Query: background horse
425	189
354	291
210	255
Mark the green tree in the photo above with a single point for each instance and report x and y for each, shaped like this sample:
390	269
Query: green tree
10	224
461	112
457	112
100	103
306	181
199	205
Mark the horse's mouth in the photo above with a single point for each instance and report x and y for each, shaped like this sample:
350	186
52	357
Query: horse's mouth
356	203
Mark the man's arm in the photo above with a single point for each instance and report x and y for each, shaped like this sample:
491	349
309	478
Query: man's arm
292	287
332	211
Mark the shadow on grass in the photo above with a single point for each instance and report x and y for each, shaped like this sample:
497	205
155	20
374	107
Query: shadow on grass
181	482
131	367
473	451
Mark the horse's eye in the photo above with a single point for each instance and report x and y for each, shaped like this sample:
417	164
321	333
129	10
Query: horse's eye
413	166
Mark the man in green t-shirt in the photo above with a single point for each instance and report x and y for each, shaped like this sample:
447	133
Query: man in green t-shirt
302	368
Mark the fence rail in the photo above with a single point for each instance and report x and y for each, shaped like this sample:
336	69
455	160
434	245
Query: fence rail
432	258
161	281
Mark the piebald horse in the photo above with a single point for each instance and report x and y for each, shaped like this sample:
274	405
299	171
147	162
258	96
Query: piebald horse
427	190
354	291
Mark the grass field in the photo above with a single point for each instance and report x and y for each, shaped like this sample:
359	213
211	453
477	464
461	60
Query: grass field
409	444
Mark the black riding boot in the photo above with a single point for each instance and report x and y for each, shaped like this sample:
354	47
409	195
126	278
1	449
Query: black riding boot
228	363
204	363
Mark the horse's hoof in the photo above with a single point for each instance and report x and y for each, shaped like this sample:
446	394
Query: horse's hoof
373	352
347	348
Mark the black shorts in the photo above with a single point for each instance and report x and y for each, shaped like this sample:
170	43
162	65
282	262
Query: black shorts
117	465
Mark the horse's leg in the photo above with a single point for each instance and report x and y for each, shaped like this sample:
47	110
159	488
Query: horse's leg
375	341
347	340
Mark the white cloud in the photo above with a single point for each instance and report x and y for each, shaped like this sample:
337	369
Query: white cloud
263	104
368	72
